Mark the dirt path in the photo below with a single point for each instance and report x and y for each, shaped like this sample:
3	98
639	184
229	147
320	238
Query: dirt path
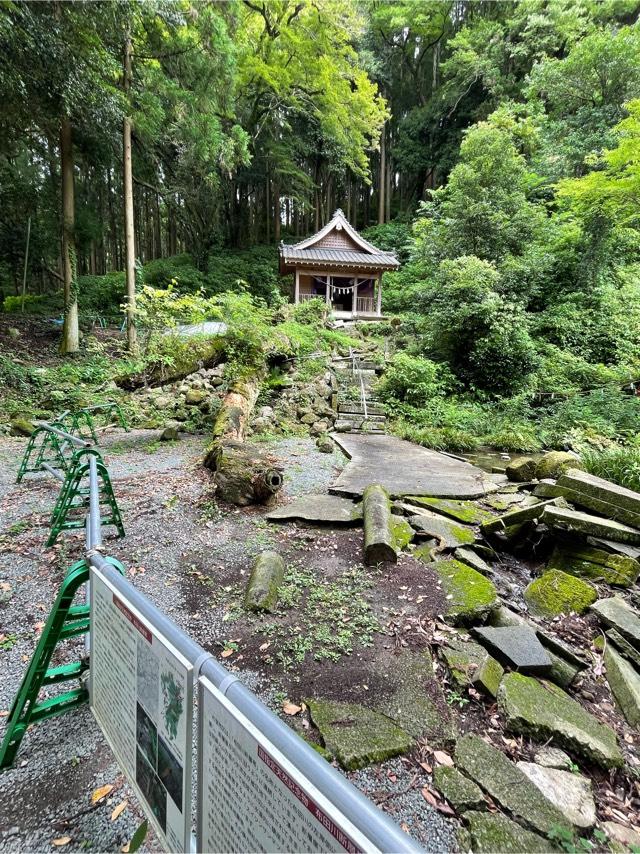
192	558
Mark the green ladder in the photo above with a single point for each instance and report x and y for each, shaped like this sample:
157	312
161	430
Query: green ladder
44	447
72	503
65	621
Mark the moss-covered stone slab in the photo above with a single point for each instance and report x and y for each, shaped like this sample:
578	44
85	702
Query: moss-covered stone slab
596	493
624	681
570	793
516	646
522	470
515	517
494	833
562	672
503	501
450	534
468	555
461	792
622	645
546	489
507	784
402	532
616	614
557	592
544	711
555	463
471	664
320	510
417	703
357	736
588	562
461	511
562	519
469	596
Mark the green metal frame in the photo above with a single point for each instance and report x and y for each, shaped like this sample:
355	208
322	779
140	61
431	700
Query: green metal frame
72	503
74	419
47	448
65	621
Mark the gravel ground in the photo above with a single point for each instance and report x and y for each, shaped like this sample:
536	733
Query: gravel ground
173	526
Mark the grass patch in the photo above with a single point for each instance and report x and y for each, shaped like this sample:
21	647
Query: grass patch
617	464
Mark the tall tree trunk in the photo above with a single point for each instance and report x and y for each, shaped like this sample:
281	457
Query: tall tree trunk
70	334
267	210
157	239
129	236
276	212
382	177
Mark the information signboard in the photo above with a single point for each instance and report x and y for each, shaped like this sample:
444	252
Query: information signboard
252	798
142	697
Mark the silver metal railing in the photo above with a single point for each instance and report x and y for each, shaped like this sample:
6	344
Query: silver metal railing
377	827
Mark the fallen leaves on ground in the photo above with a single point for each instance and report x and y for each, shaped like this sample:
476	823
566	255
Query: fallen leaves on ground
291	708
226	653
119	810
101	793
443	758
61	840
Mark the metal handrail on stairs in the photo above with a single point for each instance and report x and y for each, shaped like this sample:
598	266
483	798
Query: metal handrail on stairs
357	370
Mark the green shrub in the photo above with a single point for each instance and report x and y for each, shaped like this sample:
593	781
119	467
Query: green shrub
33	304
413	380
438	438
619	465
603	414
311	311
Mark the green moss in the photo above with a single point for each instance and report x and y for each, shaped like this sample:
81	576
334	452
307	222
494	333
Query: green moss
588	562
461	792
493	833
555	463
402	532
546	712
462	511
357	736
469	595
471	664
557	592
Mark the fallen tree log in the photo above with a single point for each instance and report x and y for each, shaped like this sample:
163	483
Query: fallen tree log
266	577
244	474
379	539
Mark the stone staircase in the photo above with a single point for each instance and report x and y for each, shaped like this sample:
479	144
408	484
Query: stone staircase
359	411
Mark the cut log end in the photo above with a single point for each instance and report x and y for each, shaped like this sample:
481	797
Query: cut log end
244	474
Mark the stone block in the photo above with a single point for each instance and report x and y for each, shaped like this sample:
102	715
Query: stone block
494	833
516	646
461	792
557	592
469	596
589	562
562	519
570	793
471	664
617	614
624	681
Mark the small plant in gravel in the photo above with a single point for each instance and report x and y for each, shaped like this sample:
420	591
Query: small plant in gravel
455	698
7	642
17	528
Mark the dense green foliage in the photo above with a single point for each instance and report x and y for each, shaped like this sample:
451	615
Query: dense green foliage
492	146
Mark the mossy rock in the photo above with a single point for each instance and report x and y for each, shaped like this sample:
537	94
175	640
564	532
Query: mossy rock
588	562
546	712
522	470
494	833
461	511
471	664
461	792
507	784
401	531
21	427
555	463
357	736
556	592
469	595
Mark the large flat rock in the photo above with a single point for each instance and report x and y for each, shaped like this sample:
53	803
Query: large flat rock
516	646
321	509
624	681
507	784
616	614
403	468
494	833
584	523
544	711
570	793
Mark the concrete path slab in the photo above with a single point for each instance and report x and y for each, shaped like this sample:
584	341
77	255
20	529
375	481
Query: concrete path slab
321	509
405	469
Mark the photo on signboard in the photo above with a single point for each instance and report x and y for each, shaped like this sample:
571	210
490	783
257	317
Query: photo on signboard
146	735
170	772
147	671
152	789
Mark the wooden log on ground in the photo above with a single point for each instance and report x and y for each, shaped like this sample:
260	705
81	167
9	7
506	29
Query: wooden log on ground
244	474
264	582
379	546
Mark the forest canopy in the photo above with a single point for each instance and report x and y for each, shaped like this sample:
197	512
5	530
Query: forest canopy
492	146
